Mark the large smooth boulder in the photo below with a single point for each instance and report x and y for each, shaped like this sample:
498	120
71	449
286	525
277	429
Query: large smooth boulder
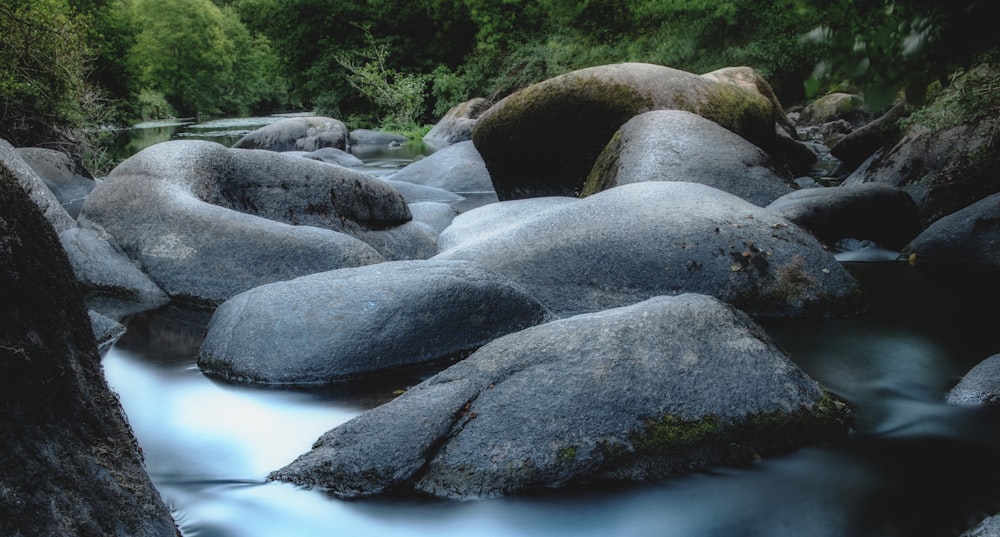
68	180
40	195
883	214
636	241
206	222
71	465
357	322
970	236
494	218
666	386
298	134
456	125
676	145
543	140
456	168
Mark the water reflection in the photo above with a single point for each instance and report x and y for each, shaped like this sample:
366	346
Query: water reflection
916	467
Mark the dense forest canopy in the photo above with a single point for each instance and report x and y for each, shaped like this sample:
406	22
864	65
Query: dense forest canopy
67	64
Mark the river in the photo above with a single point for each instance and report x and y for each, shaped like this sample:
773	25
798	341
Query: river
916	466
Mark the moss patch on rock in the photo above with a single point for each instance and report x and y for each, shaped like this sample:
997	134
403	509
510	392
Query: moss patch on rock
681	445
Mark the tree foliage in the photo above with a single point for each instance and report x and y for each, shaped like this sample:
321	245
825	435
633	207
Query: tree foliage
44	61
62	62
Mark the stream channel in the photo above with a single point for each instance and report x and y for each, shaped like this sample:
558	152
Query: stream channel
914	467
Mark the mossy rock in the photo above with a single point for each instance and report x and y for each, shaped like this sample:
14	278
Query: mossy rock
544	139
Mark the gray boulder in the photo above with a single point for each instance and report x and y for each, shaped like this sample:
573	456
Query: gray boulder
880	213
835	107
298	134
636	241
543	140
106	330
456	125
435	214
67	179
371	137
330	155
40	195
675	145
102	267
494	218
970	236
666	386
356	322
456	168
414	193
980	386
989	527
205	222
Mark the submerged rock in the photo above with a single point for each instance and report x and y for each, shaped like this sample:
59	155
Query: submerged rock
637	241
675	145
357	322
662	387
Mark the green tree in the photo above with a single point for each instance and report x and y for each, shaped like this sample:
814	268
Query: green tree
43	72
184	52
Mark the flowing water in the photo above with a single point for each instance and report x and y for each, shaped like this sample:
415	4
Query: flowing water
916	466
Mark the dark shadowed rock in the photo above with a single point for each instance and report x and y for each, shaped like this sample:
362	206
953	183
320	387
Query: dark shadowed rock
633	242
856	146
970	236
544	139
71	465
357	322
457	168
946	160
298	134
67	179
980	386
882	214
666	386
494	218
675	145
456	125
40	194
205	222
